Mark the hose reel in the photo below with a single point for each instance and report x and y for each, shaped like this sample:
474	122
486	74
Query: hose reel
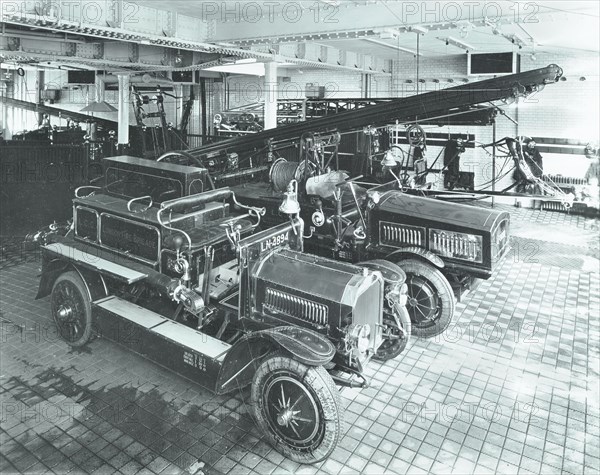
283	172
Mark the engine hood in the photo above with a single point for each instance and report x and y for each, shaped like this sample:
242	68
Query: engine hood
454	214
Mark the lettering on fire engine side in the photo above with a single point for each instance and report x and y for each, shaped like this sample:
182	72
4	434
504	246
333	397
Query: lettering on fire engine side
194	360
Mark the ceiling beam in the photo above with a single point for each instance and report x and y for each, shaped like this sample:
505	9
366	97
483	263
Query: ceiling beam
345	20
123	36
388	45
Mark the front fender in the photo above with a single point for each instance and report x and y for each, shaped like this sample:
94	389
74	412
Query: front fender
418	252
52	269
244	357
390	271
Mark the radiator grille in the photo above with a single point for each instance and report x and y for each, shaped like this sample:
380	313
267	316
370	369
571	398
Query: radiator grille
392	234
456	245
564	180
553	206
297	307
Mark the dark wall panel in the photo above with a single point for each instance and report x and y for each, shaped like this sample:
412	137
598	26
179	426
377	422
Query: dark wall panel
37	185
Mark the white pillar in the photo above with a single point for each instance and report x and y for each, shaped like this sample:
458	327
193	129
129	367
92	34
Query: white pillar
270	95
123	109
100	88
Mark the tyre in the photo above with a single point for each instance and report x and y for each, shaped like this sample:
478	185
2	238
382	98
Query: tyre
297	407
394	340
430	298
72	309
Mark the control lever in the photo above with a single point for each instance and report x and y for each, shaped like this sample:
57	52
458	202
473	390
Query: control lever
362	218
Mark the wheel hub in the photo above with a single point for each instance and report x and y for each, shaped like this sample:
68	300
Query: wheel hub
422	301
294	413
65	312
285	417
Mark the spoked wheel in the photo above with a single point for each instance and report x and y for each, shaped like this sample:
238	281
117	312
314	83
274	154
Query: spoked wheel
395	339
180	158
416	135
71	309
297	407
430	299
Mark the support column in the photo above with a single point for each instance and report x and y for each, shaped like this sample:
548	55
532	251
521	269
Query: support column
271	95
100	88
40	84
123	117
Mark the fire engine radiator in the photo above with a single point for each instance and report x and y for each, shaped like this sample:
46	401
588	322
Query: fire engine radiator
298	307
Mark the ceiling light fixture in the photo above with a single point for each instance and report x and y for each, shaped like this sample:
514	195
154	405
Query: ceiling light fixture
178	57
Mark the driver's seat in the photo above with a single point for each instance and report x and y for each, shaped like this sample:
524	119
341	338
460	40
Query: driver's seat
208	234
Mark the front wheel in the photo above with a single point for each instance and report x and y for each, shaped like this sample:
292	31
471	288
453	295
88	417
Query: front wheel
297	407
430	298
72	309
395	338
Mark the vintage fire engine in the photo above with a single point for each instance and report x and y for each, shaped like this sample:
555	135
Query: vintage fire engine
183	277
441	246
434	242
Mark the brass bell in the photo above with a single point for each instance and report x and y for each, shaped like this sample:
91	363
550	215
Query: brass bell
290	203
388	160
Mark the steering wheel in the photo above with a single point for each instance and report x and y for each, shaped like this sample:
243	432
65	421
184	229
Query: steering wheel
416	135
397	153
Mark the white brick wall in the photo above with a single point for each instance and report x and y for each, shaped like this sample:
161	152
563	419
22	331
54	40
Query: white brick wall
250	89
568	109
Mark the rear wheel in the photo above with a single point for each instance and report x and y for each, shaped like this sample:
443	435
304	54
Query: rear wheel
430	298
72	309
297	407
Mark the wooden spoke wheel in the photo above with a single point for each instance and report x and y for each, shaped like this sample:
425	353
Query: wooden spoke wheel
71	309
297	407
430	298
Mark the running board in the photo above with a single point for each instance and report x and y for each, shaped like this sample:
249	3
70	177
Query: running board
94	262
189	352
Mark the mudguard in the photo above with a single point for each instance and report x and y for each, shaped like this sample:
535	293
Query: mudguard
419	252
52	269
241	361
390	271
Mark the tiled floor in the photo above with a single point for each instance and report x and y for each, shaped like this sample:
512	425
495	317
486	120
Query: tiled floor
511	387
